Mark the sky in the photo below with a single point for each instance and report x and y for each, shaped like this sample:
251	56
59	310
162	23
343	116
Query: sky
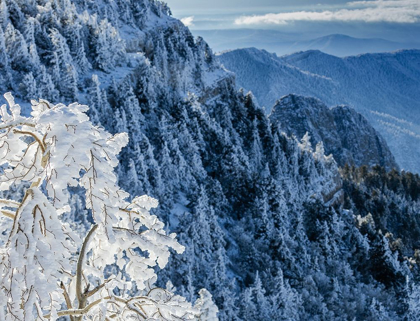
394	20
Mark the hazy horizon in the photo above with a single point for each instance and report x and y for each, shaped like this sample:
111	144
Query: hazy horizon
298	20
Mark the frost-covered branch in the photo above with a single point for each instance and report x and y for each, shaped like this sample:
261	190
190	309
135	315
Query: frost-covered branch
57	147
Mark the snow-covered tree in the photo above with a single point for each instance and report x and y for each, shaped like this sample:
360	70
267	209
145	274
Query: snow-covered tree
16	49
5	71
208	310
413	301
47	270
64	73
30	86
4	14
109	47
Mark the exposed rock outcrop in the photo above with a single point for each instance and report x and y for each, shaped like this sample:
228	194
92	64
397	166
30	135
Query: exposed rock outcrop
346	134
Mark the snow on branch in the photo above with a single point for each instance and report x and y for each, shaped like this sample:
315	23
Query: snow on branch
47	271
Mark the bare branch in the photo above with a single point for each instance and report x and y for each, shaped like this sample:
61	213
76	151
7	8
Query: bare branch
75	312
9	203
79	294
98	288
39	140
67	298
8	214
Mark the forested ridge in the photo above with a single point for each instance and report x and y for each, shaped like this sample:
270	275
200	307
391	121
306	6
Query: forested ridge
273	229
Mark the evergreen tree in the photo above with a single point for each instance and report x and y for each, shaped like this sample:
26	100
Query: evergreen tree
30	87
46	85
109	47
4	14
287	303
74	34
5	68
413	301
16	49
64	73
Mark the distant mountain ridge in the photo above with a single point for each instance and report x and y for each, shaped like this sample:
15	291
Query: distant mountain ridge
346	134
343	45
384	87
269	78
287	43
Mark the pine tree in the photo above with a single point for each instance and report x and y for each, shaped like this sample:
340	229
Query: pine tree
229	306
256	154
64	73
74	34
120	120
5	69
378	312
109	47
30	87
413	301
131	106
16	49
169	174
261	300
154	176
4	15
46	85
384	264
208	310
287	303
100	108
204	235
264	221
249	310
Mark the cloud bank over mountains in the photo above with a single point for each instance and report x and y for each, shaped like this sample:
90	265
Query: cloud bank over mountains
389	11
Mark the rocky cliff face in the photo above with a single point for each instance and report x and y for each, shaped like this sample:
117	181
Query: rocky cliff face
361	143
346	134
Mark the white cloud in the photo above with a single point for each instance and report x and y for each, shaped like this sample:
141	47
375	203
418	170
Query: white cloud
396	11
188	21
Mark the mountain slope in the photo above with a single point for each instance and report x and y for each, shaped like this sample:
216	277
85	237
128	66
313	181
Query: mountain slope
272	76
262	216
345	133
382	87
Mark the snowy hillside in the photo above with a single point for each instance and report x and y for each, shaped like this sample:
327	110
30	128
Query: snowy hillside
271	226
385	88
